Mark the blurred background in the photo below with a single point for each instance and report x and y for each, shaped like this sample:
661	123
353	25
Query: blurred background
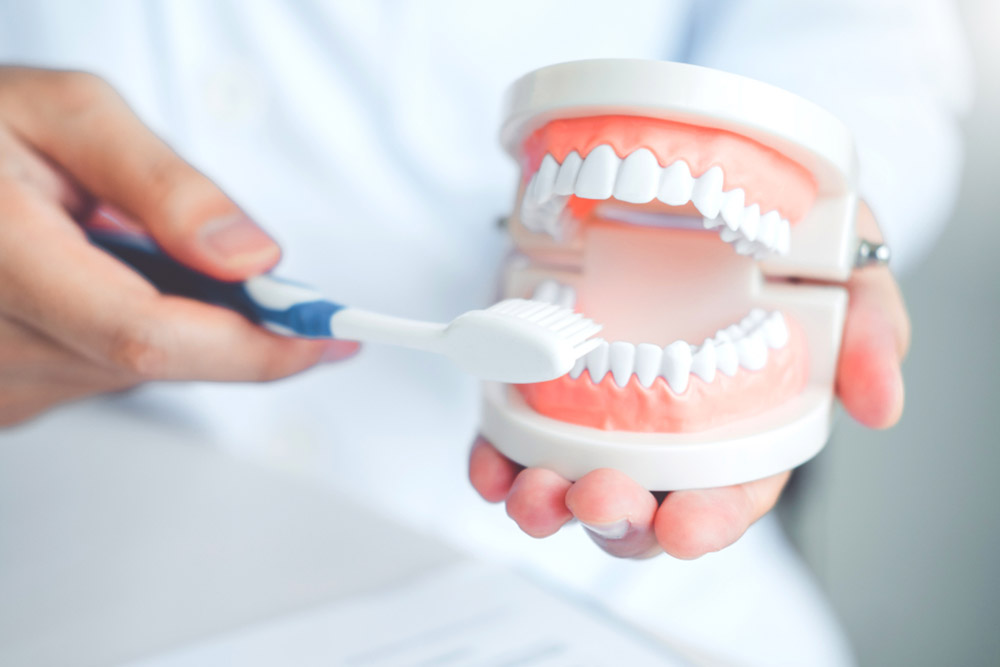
903	527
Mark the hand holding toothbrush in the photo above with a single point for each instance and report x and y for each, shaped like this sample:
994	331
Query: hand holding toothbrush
74	321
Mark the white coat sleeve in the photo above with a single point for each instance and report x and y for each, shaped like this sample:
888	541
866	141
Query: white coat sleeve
898	72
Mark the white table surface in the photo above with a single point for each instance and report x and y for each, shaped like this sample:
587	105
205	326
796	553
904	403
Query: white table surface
117	542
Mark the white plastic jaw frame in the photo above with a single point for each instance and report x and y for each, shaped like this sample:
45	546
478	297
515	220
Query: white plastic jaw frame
823	248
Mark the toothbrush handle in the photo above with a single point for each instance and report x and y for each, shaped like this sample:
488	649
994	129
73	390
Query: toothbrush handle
282	306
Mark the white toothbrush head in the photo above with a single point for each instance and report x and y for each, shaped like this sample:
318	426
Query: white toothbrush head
520	341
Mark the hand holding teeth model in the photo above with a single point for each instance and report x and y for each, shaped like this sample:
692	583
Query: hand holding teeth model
672	203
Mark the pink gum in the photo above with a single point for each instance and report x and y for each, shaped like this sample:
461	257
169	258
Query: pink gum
768	178
658	409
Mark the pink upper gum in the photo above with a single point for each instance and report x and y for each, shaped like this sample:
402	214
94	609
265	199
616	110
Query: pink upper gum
767	177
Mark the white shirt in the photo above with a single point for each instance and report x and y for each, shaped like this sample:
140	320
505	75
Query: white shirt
362	135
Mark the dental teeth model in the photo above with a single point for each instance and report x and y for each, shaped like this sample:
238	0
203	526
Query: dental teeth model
672	203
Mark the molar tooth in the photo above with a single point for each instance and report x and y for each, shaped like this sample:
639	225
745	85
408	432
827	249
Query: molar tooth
768	234
784	241
754	318
732	208
751	222
734	332
622	361
728	235
596	179
578	367
648	358
597	362
775	330
566	178
525	214
752	351
707	192
726	358
546	291
676	184
676	365
566	297
638	178
544	179
744	247
703	361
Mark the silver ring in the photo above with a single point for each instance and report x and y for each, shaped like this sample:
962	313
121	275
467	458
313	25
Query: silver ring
872	254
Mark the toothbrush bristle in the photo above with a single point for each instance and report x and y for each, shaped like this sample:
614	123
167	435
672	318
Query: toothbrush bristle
563	322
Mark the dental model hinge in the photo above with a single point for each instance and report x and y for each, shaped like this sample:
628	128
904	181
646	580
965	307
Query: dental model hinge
872	254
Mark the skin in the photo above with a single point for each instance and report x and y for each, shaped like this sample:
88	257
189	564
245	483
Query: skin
73	320
690	524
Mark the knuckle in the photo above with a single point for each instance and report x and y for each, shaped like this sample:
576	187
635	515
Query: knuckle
80	91
133	349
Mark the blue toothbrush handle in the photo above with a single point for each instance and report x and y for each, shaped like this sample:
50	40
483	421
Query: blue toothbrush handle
283	306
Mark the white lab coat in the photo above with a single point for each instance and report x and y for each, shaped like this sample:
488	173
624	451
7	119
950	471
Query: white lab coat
363	136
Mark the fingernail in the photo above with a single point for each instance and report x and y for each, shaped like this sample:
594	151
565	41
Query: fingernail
338	350
236	236
609	531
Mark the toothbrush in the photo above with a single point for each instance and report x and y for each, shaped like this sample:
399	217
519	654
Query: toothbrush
515	341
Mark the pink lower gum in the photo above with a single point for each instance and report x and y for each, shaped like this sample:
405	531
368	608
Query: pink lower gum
658	409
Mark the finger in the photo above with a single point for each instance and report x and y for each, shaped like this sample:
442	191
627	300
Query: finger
29	358
19	164
616	512
55	282
876	338
491	473
537	502
81	123
690	524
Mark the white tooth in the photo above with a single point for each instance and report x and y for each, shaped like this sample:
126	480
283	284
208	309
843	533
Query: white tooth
529	189
754	318
714	223
732	208
566	297
597	362
676	184
725	357
751	350
596	179
768	234
545	178
707	193
578	367
784	237
775	330
676	365
622	361
648	358
529	213
543	218
734	332
552	216
703	361
566	178
728	235
751	221
638	178
547	291
744	247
